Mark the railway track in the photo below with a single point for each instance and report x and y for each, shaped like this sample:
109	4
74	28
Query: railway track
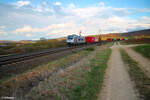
5	60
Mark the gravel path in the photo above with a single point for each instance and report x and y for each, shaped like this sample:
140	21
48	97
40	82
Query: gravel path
117	84
143	62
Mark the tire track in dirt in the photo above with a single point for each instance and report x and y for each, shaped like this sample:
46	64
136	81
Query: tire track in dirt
143	62
117	84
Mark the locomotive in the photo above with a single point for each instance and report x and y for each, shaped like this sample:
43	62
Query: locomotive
78	39
75	40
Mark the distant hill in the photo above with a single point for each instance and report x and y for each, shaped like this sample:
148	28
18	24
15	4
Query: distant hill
7	41
61	39
134	33
29	41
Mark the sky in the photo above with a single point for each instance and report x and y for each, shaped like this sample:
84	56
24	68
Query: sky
34	19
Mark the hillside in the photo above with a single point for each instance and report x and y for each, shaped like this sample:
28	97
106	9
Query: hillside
140	32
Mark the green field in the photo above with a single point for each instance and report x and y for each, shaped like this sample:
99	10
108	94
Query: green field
143	49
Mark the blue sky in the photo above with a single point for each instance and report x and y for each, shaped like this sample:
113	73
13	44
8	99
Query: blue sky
33	19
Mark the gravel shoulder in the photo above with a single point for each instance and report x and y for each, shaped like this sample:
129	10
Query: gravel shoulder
117	84
143	62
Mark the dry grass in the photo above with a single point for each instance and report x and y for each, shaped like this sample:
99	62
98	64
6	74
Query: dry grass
63	85
22	83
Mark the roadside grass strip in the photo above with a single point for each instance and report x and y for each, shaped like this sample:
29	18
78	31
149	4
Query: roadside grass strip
81	81
89	89
22	83
143	49
142	82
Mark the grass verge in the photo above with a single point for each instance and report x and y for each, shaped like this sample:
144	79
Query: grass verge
88	89
143	49
142	82
81	81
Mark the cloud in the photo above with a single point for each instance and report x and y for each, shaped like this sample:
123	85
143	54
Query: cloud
101	3
115	24
145	19
49	10
28	28
28	35
89	20
57	3
144	10
1	27
3	33
38	9
54	30
56	20
86	12
120	24
71	5
23	3
100	11
24	29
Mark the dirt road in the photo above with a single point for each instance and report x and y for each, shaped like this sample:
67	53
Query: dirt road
117	83
143	62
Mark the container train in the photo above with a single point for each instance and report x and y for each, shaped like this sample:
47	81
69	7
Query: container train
78	40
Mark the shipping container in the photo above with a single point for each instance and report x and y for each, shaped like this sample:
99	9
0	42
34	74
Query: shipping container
118	39
104	38
90	39
115	39
109	39
122	39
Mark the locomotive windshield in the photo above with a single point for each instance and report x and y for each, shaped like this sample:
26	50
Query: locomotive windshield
70	37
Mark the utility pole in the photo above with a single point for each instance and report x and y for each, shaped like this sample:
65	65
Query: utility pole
100	36
80	33
99	32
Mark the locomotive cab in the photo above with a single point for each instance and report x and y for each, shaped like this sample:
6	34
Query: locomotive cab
75	40
71	39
